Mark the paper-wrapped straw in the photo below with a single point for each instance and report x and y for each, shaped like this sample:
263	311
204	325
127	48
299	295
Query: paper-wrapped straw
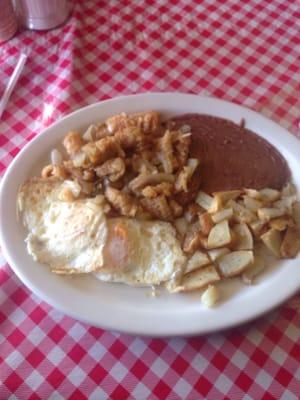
12	82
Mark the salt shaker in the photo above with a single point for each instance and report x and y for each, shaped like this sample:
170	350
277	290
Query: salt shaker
42	14
8	21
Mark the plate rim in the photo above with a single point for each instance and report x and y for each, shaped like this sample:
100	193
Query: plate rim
130	329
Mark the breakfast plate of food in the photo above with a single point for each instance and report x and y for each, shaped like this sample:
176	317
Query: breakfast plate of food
157	214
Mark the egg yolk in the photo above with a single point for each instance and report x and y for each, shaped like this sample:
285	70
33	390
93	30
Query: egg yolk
116	250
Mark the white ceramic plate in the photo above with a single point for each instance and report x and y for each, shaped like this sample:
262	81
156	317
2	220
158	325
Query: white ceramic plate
133	310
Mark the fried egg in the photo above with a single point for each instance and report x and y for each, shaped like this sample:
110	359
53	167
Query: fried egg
76	237
141	252
67	236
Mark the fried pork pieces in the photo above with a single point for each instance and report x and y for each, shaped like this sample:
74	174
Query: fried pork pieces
140	168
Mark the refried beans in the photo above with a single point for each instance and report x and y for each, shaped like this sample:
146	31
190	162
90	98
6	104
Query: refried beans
231	156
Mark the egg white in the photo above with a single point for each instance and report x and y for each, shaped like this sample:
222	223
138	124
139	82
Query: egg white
150	254
67	236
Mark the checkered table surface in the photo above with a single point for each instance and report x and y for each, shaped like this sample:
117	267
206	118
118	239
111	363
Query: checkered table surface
246	51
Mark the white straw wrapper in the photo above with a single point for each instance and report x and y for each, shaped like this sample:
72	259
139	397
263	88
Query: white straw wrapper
12	82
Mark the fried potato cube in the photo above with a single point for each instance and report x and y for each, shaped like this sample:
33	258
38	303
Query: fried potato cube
257	227
224	197
198	279
241	214
282	223
210	296
220	216
234	263
206	223
253	270
290	245
266	195
251	203
208	203
197	260
269	195
253	193
216	205
219	235
204	200
272	239
286	203
266	214
244	237
214	254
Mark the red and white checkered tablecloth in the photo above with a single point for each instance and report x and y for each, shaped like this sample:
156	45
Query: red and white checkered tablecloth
246	51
